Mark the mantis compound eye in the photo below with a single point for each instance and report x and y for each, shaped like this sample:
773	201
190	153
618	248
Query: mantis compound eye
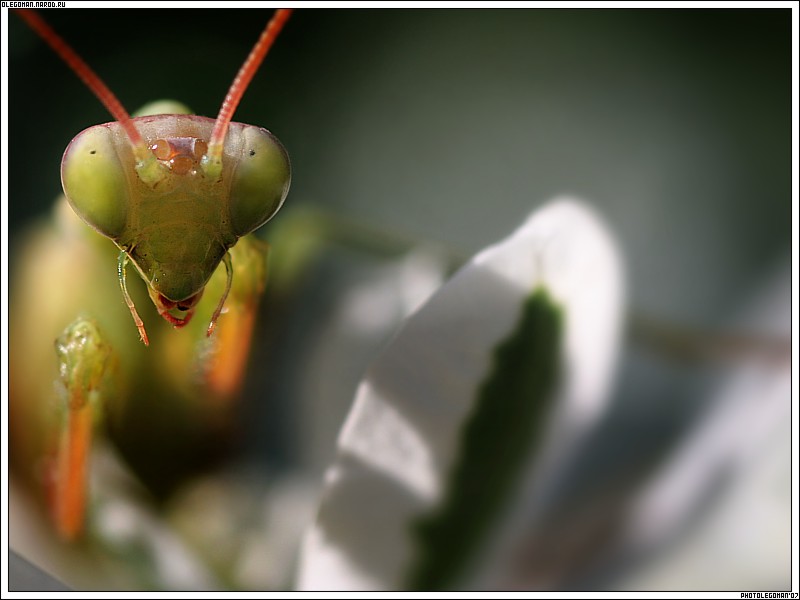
94	181
260	180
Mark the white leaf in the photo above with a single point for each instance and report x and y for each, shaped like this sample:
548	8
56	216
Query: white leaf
402	437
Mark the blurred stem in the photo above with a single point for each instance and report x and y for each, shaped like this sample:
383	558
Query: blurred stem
72	473
369	239
302	235
689	344
83	359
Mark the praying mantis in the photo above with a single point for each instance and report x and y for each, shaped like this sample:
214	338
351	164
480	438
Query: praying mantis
177	195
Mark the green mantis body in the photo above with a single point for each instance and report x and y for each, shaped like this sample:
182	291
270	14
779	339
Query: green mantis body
177	198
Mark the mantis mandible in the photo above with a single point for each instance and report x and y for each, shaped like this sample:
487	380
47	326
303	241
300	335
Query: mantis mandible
177	194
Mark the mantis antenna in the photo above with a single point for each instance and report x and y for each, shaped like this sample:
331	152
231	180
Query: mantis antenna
212	162
91	79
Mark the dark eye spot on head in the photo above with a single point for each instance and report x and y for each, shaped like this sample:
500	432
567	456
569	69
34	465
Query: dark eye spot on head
252	152
92	151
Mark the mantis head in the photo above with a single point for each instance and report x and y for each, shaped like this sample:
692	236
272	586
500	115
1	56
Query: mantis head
174	192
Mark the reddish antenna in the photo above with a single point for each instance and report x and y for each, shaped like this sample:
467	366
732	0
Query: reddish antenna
89	77
213	160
